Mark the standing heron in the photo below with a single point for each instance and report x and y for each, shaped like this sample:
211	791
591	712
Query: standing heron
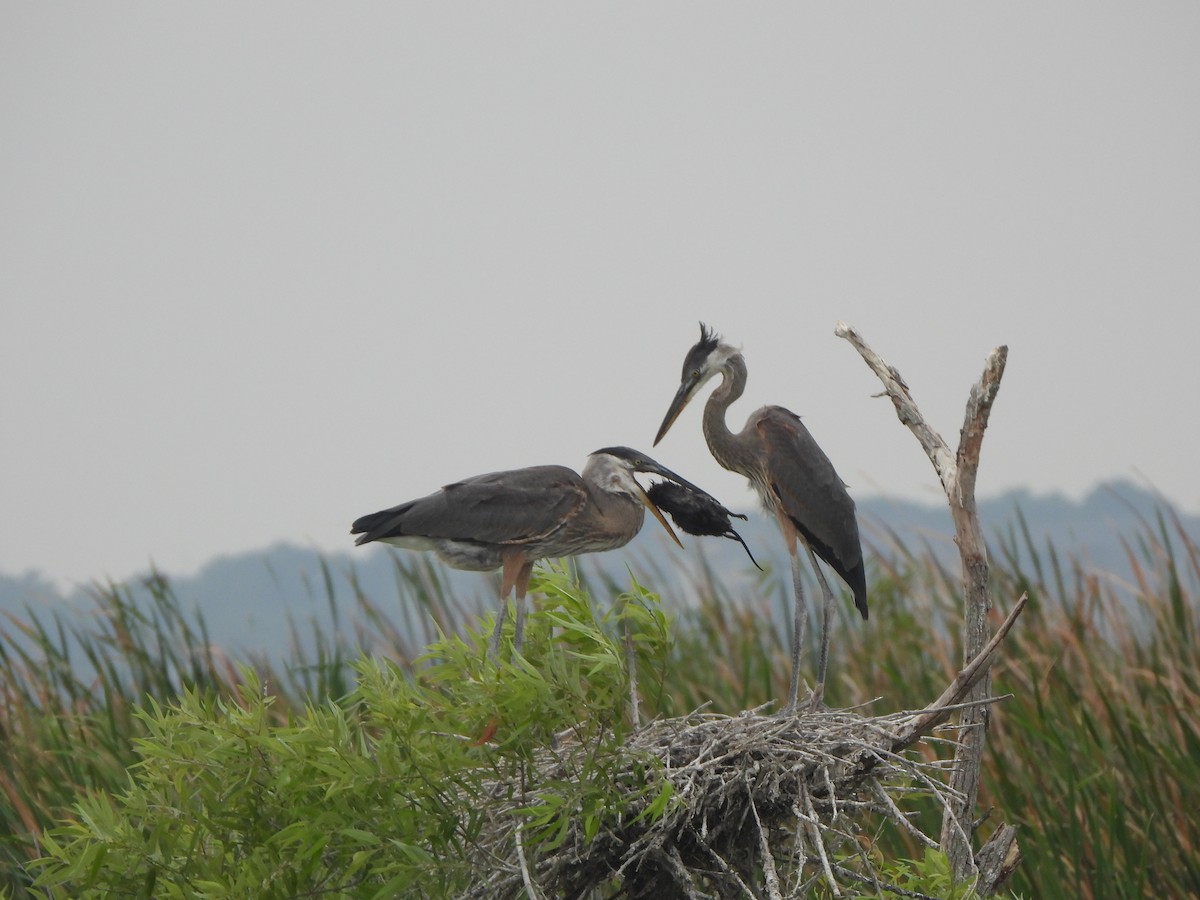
792	476
509	520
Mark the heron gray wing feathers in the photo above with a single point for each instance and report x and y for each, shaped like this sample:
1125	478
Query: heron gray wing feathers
513	507
813	496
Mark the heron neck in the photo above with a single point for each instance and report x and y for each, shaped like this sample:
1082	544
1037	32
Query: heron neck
613	509
733	383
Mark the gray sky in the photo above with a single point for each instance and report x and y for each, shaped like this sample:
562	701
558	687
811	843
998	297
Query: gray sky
267	267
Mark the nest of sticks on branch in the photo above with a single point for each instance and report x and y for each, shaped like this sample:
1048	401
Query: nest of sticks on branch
781	801
760	805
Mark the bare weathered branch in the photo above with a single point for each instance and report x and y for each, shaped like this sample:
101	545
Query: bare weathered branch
952	698
978	603
770	873
979	408
907	412
958	476
997	860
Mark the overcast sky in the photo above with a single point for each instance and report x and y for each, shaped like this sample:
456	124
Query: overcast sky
267	267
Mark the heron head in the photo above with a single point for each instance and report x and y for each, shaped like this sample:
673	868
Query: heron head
617	466
707	357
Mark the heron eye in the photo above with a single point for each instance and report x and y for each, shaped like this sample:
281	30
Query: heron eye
695	373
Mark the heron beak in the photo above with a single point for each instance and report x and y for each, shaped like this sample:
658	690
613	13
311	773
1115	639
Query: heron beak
651	467
682	396
649	504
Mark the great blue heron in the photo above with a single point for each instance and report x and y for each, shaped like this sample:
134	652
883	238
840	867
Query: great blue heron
509	520
791	474
696	512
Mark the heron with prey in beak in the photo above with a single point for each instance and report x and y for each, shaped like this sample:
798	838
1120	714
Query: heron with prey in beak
509	520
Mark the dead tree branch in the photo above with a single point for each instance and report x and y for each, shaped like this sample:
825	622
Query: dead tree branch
957	473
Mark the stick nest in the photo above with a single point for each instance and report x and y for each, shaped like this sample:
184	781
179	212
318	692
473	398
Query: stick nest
759	805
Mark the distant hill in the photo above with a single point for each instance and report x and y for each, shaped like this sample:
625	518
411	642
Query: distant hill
247	599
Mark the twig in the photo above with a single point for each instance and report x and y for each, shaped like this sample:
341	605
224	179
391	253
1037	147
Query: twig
815	832
725	869
768	860
530	890
631	666
900	819
939	711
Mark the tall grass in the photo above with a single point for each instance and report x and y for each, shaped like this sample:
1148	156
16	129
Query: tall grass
1096	757
70	683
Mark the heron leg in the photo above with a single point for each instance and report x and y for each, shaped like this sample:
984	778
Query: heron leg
519	621
501	615
522	586
826	613
514	579
799	626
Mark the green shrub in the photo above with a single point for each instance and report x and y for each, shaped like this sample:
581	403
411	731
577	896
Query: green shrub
379	794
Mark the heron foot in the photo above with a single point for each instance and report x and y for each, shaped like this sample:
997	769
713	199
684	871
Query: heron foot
814	702
816	699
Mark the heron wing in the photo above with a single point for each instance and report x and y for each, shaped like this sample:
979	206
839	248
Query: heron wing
513	507
812	495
